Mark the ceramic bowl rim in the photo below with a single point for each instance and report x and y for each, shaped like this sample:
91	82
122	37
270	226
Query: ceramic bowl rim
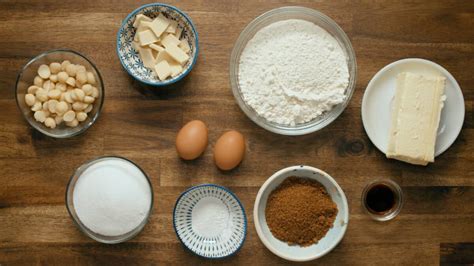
264	187
196	38
189	190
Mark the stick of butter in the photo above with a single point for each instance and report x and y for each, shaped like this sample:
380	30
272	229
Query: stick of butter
415	116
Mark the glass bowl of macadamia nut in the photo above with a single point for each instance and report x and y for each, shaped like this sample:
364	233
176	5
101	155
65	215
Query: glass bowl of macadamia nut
60	93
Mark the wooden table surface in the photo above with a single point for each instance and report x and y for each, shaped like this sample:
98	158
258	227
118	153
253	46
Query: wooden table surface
138	122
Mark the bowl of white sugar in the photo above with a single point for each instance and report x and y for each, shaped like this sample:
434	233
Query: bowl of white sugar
293	70
109	199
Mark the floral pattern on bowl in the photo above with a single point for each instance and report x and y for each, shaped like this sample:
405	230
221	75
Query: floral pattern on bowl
130	59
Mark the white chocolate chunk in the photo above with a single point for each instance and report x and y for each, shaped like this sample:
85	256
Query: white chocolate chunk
135	44
140	18
159	25
30	99
147	57
178	32
145	25
146	37
163	70
163	55
177	54
176	69
172	27
184	45
170	40
44	72
156	47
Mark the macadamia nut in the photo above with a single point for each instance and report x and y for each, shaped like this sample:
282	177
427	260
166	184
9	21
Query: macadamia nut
44	72
62	92
55	67
30	99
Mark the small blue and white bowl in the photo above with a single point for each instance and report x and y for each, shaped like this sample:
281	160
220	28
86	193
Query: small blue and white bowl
130	59
210	221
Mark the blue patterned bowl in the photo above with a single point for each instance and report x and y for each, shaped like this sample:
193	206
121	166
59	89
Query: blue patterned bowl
131	60
210	221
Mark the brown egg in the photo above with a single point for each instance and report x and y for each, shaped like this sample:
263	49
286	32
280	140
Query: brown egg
229	150
191	140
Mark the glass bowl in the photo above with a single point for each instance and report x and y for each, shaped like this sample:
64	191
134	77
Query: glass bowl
25	79
394	211
320	20
72	212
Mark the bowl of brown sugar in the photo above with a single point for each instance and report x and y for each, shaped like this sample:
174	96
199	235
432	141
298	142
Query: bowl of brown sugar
301	213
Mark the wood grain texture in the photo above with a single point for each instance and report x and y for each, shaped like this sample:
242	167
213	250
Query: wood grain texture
435	226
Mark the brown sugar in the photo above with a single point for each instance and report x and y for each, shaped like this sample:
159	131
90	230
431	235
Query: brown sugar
300	211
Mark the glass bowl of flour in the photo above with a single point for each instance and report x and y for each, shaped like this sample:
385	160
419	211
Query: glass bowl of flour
293	70
110	199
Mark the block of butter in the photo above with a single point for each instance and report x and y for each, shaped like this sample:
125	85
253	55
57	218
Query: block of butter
415	116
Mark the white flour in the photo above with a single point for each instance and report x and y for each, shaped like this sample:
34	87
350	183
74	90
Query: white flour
292	71
112	197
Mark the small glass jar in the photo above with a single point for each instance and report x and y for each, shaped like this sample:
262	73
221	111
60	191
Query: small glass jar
390	213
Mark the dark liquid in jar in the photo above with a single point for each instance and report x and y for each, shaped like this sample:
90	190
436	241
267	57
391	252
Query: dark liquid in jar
380	199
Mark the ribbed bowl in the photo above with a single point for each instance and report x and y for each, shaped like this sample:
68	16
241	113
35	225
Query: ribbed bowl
203	240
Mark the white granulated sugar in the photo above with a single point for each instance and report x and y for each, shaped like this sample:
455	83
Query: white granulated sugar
112	197
211	218
293	71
